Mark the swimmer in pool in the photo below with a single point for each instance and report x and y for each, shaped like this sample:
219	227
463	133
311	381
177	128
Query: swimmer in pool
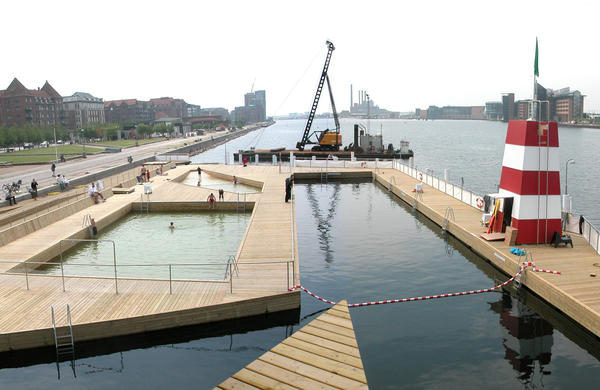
171	226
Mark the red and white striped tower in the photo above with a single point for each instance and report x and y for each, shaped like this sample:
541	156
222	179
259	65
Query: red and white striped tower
531	174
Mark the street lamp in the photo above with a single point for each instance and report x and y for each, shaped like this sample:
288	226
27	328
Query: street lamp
569	161
83	142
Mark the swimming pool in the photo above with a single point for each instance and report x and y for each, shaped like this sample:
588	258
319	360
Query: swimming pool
215	183
145	245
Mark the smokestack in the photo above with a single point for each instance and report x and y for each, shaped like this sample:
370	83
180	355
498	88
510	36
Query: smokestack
350	96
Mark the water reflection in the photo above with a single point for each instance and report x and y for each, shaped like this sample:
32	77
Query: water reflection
324	222
527	340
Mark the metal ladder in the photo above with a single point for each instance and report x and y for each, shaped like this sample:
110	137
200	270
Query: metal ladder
65	347
447	215
87	222
240	206
144	206
324	176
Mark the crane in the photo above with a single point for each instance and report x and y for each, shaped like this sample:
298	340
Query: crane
326	139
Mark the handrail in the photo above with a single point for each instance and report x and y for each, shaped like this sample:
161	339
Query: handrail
88	240
231	266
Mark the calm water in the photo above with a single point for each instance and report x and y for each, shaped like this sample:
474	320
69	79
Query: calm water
214	183
146	239
357	242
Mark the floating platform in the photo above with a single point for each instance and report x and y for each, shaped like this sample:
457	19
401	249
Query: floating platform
266	155
323	354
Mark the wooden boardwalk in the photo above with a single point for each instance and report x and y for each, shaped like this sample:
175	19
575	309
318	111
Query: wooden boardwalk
267	269
574	292
323	354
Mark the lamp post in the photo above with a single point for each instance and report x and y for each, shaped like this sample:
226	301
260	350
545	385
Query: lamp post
83	142
569	161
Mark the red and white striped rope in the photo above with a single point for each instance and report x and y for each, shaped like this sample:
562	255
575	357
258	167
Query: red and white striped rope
423	298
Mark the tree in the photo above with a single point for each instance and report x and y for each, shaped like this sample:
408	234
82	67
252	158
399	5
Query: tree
144	129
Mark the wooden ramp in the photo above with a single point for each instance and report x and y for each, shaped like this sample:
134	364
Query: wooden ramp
322	355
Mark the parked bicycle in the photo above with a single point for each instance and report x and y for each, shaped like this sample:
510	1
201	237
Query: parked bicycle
15	187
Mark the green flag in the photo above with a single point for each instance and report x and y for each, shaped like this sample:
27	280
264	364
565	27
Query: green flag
536	70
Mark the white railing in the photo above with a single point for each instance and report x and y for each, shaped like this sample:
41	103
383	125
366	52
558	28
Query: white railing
172	157
591	234
471	198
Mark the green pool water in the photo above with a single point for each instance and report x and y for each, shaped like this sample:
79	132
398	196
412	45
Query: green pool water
145	245
213	183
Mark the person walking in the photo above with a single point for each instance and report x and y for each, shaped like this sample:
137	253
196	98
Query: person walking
53	168
288	189
148	175
34	187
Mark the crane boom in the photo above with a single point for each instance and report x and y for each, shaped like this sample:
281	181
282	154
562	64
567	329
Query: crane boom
300	145
335	114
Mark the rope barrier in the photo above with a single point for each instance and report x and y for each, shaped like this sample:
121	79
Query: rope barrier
427	297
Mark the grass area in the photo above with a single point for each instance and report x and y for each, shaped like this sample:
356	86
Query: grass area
46	154
130	142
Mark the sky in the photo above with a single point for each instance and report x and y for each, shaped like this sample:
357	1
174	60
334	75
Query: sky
405	54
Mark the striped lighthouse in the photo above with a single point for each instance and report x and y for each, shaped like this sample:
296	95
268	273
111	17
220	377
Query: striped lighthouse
531	176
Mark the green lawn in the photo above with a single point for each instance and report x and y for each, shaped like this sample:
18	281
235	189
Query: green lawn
47	154
124	143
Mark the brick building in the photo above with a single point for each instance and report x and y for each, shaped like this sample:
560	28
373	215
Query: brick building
128	110
21	106
82	109
167	107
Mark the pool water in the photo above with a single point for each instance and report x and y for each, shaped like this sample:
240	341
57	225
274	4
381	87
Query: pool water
146	241
214	183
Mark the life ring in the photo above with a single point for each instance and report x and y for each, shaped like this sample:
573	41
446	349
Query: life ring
479	203
421	176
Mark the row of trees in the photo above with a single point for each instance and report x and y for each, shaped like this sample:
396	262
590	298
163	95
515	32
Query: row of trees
17	136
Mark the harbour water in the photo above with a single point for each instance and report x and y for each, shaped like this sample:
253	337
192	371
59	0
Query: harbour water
358	242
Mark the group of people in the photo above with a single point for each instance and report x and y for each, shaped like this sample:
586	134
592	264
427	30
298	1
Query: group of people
144	175
212	200
62	181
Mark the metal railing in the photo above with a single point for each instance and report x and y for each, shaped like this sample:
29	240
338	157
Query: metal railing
231	268
591	234
62	271
456	191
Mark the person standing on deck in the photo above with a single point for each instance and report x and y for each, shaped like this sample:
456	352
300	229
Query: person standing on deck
221	194
148	175
199	172
34	187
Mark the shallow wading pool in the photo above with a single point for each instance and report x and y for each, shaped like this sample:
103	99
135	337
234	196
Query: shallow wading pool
145	246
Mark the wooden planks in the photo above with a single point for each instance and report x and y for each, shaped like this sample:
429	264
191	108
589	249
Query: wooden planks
304	360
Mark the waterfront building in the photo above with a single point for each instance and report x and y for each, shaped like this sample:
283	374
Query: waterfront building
253	110
493	111
218	112
522	109
456	112
82	109
20	106
566	105
193	110
508	107
128	110
167	107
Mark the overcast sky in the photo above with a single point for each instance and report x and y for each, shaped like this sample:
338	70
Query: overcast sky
405	54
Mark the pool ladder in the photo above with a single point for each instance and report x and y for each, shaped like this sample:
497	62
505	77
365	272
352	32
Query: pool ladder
449	214
324	176
144	206
240	206
87	222
63	340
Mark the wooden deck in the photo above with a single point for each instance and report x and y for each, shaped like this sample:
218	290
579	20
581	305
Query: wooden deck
266	271
575	292
323	354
